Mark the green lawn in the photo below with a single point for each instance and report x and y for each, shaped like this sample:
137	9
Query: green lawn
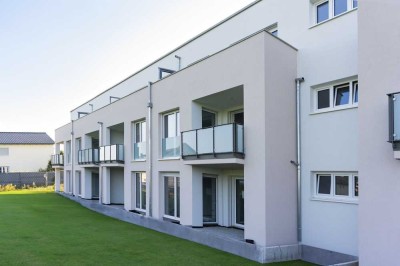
43	228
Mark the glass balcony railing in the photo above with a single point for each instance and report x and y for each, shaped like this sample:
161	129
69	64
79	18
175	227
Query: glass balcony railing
171	147
214	141
139	151
112	153
88	156
57	159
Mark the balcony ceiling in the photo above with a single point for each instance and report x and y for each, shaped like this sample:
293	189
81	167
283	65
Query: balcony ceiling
224	99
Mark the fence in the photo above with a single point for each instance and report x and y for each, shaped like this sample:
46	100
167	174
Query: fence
29	179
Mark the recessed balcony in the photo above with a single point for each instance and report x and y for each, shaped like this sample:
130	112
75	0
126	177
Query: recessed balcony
223	141
57	160
111	153
88	156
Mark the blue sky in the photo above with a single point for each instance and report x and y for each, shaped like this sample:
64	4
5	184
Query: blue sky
56	54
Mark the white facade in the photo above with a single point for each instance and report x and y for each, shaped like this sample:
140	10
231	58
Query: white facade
251	79
24	157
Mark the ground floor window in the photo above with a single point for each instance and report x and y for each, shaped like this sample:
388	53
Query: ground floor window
336	186
209	199
238	202
140	191
172	196
79	182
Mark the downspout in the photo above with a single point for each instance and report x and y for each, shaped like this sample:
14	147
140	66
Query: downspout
100	168
298	163
149	153
72	157
179	61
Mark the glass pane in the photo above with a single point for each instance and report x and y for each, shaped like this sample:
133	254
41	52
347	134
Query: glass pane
178	124
356	186
355	92
239	201
341	185
113	152
223	137
120	154
205	141
322	12
95	185
239	138
340	6
178	197
96	155
171	147
342	95
102	153
169	196
143	190
355	3
143	139
324	184
139	150
137	190
208	119
323	97
396	117
209	199
137	133
189	143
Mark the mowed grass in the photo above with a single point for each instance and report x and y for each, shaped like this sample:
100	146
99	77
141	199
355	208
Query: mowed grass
43	228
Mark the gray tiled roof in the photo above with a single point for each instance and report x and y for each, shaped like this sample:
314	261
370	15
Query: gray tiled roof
25	138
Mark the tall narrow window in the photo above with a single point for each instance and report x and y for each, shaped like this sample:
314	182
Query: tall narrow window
355	3
322	12
340	6
139	142
140	185
172	196
356	186
171	135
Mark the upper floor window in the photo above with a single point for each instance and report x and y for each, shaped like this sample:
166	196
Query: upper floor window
4	152
139	140
171	135
336	186
337	96
326	9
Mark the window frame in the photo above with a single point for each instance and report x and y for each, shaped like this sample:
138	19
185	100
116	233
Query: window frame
331	10
142	124
176	113
350	198
352	84
176	216
140	175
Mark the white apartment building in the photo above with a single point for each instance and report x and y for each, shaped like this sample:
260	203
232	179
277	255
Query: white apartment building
208	134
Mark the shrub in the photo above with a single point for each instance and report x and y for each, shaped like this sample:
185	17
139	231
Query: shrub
8	187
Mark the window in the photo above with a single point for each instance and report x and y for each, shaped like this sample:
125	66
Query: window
4	169
336	97
336	186
139	141
322	12
172	197
275	33
327	9
340	6
4	151
140	189
171	135
208	118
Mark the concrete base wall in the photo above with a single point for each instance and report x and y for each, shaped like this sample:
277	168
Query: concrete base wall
237	247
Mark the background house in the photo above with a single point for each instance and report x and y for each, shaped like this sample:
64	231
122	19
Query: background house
24	151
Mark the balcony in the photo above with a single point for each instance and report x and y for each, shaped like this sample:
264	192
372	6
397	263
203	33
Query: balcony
224	141
57	160
112	154
88	156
